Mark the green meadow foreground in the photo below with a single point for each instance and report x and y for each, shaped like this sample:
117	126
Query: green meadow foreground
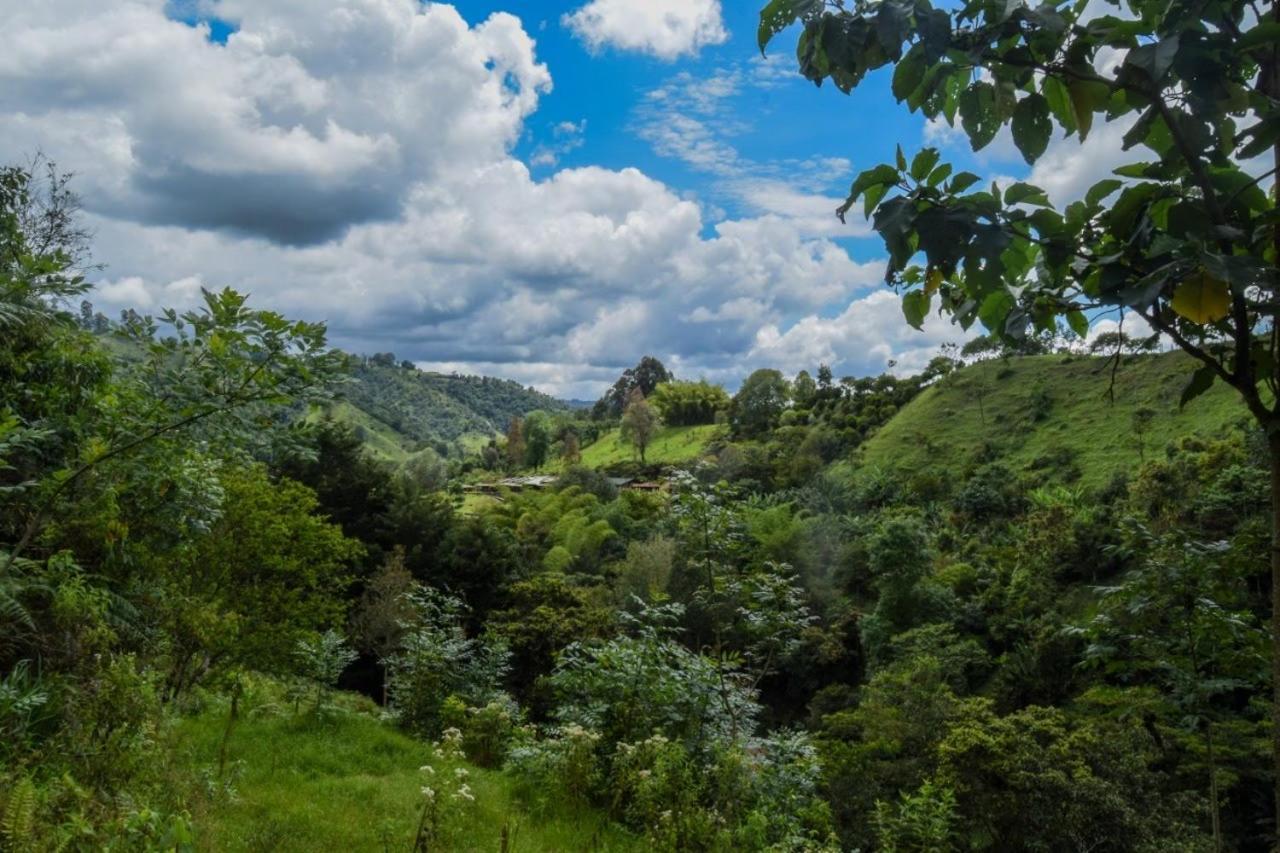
346	781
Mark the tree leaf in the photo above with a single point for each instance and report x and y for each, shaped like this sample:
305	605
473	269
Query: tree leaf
935	34
908	73
1087	96
915	307
924	162
1078	322
979	114
962	182
932	281
995	309
1201	381
775	18
1202	299
1101	190
1024	193
939	175
1059	101
1032	127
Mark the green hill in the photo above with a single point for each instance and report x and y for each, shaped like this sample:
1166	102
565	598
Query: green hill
671	446
439	408
1044	410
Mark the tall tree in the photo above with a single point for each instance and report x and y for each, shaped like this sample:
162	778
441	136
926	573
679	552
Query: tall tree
639	422
1184	235
515	442
572	449
647	375
537	439
759	402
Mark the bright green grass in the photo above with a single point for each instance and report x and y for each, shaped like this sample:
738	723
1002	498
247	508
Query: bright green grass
381	439
351	783
671	446
473	503
945	428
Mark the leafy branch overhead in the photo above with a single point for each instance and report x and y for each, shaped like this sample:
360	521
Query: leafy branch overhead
1184	235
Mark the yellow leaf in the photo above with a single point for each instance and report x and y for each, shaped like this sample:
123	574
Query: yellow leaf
932	281
1201	298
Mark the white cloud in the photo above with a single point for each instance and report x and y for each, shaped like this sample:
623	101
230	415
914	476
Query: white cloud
355	165
1069	167
666	29
566	137
304	123
862	339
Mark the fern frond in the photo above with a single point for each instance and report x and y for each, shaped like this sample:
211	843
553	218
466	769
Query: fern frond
18	821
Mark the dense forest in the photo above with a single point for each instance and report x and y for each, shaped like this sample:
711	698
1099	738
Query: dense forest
260	594
784	648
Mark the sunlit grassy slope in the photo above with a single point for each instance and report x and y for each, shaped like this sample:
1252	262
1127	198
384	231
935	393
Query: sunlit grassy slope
947	427
672	446
351	783
381	439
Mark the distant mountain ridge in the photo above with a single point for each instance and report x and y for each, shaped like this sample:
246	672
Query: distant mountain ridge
438	409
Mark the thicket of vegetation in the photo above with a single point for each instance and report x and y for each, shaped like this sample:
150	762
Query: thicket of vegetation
785	651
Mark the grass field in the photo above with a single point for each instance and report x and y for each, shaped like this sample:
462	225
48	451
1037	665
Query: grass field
351	783
1028	408
672	446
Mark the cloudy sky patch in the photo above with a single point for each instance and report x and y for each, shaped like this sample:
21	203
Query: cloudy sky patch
544	191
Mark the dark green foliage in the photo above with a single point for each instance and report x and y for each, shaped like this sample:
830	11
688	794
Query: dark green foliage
646	376
759	402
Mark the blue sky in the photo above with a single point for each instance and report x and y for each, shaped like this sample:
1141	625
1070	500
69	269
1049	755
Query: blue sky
544	191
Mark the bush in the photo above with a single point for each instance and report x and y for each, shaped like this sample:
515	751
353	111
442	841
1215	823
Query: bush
437	660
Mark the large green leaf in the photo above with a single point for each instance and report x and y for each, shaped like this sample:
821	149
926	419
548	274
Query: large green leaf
979	114
922	164
1201	381
909	73
1031	126
995	309
915	307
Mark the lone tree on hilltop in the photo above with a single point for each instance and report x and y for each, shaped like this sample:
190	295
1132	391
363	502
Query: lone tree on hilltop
639	422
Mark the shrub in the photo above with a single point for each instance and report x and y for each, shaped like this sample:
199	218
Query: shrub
438	660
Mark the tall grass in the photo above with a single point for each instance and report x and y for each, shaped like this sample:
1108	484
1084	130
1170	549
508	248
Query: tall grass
349	782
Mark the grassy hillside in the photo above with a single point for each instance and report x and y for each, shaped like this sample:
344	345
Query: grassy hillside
352	783
1025	410
381	440
434	407
672	446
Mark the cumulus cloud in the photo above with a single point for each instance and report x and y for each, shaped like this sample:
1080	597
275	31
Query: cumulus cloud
666	29
304	123
354	165
864	338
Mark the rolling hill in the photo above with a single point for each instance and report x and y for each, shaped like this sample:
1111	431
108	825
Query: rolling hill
400	409
671	446
1031	411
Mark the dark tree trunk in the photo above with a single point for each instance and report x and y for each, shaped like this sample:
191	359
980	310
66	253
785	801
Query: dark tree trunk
1273	444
